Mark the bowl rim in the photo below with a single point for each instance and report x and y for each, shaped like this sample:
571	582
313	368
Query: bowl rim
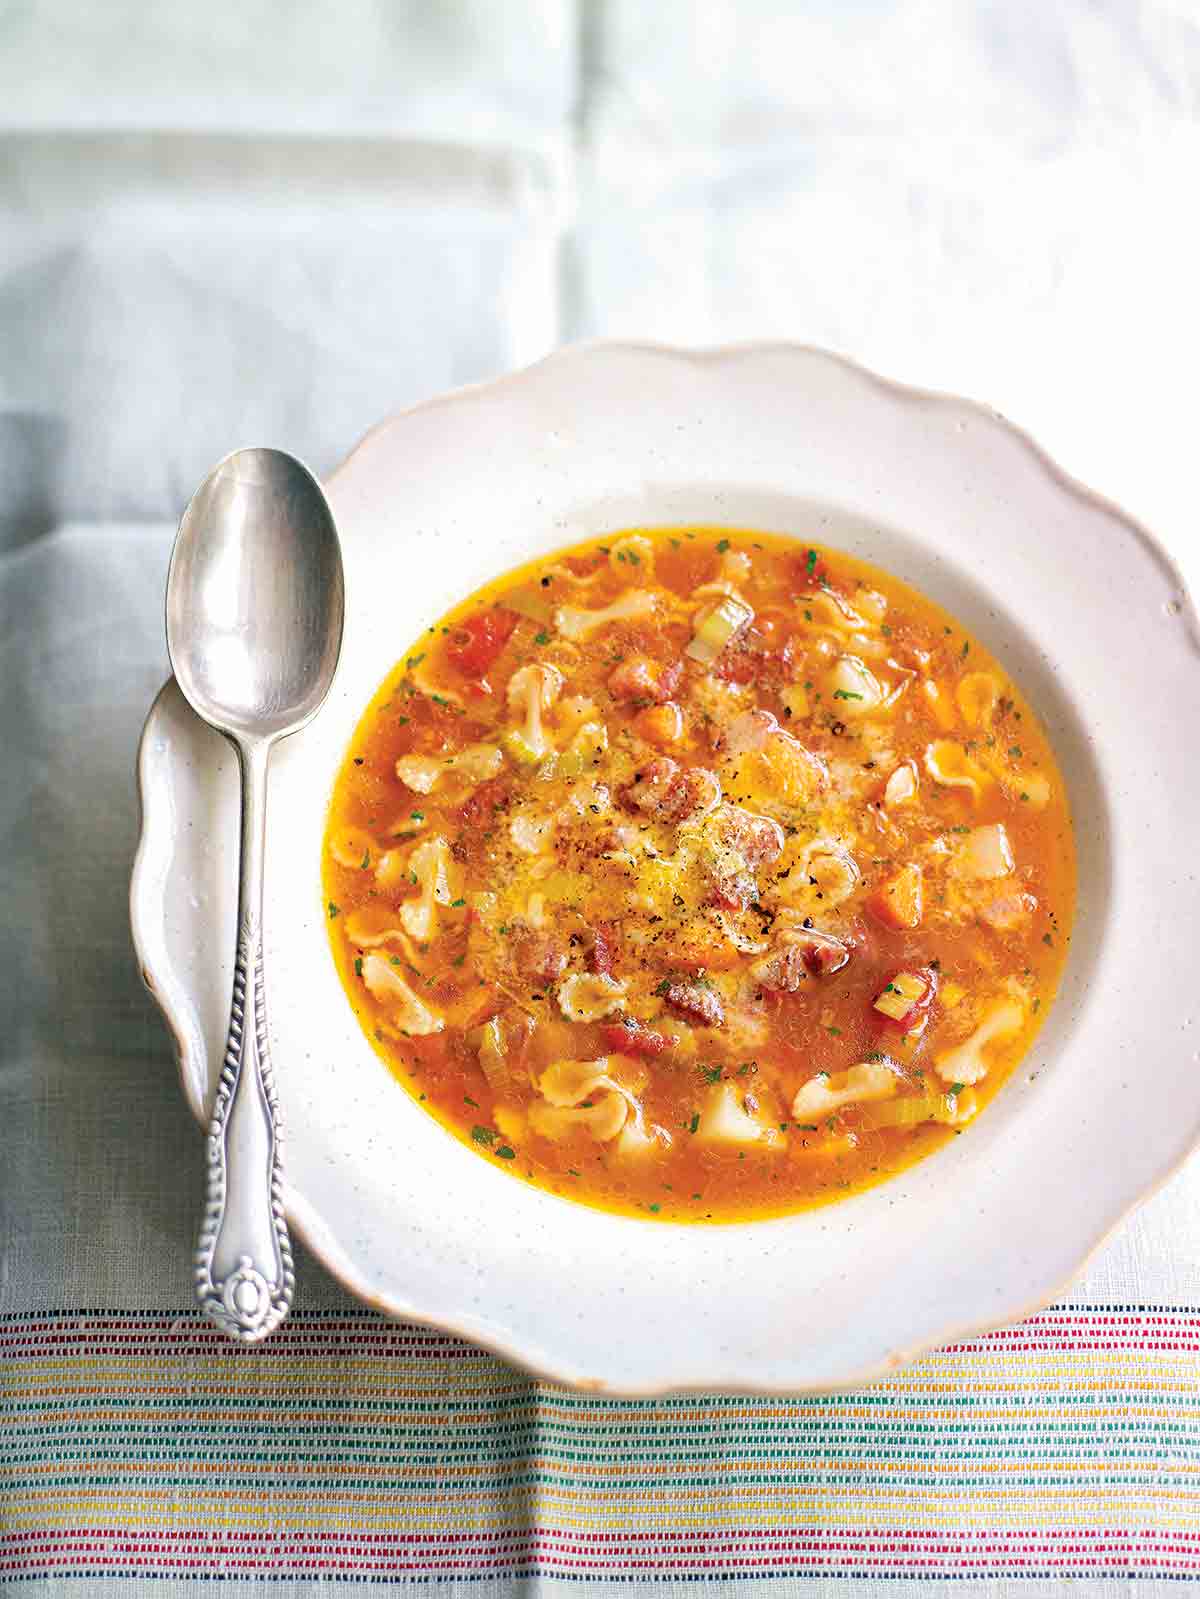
303	1217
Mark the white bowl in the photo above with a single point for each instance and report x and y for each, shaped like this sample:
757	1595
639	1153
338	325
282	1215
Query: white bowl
1083	607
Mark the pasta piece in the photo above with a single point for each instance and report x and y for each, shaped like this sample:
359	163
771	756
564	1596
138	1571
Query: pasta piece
531	692
940	704
350	846
976	695
531	833
575	623
726	1119
965	1063
822	1095
901	786
638	1138
374	924
635	550
583	1094
950	765
410	1014
603	1118
477	763
829	608
587	996
429	863
856	688
733	569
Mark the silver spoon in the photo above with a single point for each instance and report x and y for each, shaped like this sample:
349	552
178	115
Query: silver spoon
255	604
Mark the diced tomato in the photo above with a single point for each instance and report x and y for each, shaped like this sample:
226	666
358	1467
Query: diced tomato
634	1038
474	645
899	900
920	1002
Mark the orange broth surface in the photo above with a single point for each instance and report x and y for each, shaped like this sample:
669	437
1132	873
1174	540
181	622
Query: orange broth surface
699	874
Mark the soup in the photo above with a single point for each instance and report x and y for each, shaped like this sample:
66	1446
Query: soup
699	874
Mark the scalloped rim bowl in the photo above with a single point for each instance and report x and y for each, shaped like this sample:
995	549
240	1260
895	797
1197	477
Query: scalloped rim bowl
1081	605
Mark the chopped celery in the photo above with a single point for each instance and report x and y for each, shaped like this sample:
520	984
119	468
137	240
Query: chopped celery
904	991
717	627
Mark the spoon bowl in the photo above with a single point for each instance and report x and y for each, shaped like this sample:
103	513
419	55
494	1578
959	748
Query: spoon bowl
255	608
255	599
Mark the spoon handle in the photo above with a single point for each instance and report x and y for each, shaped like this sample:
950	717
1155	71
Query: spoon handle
244	1273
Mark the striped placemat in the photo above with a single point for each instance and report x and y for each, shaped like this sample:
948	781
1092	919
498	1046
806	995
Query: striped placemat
348	1448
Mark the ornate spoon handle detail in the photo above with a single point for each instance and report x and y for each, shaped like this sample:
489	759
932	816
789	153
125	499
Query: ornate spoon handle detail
244	1273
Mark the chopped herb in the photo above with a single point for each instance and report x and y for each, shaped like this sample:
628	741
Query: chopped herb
1046	939
438	700
874	1055
633	558
467	1100
694	1123
358	966
1015	751
1037	1005
395	959
808	616
458	960
1024	796
710	1074
402	720
366	860
957	1088
457	904
845	694
505	1153
886	630
414	660
542	638
654	1209
722	546
417	816
834	1032
483	1135
334	910
960	829
966	647
810	562
662	987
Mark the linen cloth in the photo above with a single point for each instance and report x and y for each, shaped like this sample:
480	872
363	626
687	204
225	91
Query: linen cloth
243	224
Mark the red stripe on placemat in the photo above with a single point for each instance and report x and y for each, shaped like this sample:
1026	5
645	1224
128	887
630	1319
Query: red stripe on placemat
909	1551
